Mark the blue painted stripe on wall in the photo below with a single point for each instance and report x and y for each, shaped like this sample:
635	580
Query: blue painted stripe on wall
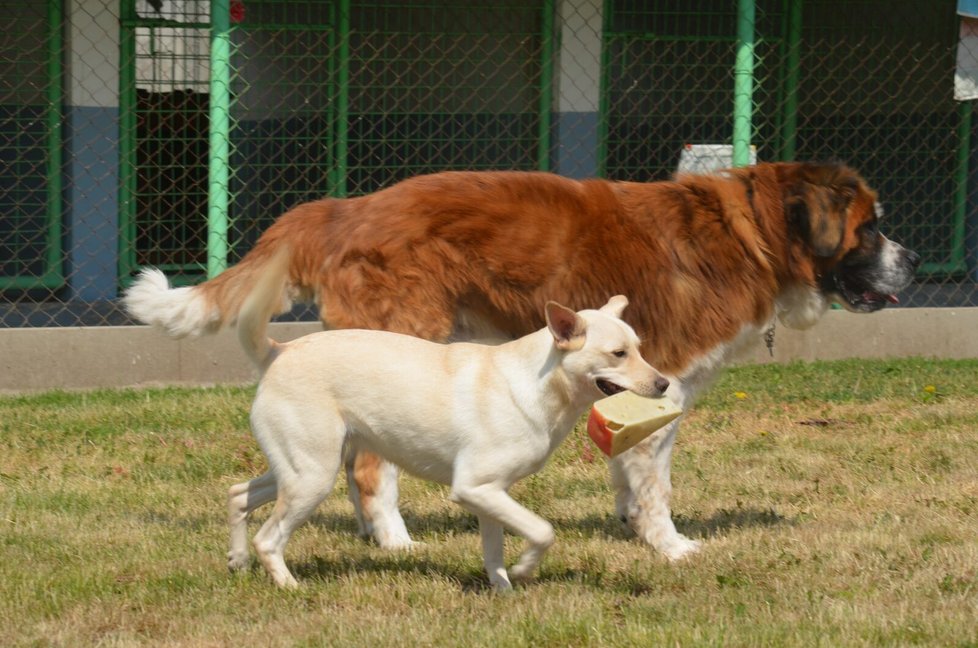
576	147
91	139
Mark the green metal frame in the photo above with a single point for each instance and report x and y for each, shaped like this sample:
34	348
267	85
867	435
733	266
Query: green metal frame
957	264
221	128
608	35
184	273
546	84
791	79
785	142
789	131
127	141
53	275
342	74
542	108
603	91
219	156
334	161
744	83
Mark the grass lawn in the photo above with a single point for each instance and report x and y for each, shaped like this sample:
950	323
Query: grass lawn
838	504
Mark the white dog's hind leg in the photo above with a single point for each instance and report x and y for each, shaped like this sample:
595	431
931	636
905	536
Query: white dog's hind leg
242	500
305	450
296	502
641	478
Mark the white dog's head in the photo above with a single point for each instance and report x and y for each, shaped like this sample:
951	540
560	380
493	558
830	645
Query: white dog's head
601	350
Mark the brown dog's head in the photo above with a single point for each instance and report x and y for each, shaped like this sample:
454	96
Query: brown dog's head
834	220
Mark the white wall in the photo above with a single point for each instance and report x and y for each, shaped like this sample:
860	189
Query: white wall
579	58
93	53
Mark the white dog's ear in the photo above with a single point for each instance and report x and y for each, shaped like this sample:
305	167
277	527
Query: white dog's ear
615	306
568	328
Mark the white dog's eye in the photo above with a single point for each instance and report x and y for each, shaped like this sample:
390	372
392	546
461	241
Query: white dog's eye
620	353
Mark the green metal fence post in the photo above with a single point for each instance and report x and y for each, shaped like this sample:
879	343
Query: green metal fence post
52	272
546	85
789	125
220	126
743	83
961	188
604	103
342	102
127	142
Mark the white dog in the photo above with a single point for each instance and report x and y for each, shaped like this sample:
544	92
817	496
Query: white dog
475	417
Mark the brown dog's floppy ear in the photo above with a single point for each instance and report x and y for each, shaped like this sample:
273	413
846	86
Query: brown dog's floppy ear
615	306
567	327
819	214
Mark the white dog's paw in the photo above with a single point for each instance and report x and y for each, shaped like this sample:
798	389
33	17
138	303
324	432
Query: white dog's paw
238	561
520	573
396	538
398	543
500	583
286	581
410	545
679	547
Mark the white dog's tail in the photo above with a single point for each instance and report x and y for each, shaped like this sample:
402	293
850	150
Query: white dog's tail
264	300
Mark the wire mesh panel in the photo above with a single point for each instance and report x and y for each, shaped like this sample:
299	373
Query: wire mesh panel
874	82
30	140
283	113
668	80
436	85
106	135
426	86
874	88
164	103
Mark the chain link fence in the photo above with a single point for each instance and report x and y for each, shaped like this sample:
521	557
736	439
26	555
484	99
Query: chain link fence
105	118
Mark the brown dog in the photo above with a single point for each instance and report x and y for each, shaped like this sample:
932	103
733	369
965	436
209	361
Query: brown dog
707	262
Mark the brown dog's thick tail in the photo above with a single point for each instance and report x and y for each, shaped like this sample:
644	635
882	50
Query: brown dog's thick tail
265	300
204	308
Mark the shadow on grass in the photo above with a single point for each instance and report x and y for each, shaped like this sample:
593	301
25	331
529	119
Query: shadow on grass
717	524
420	526
432	526
724	520
470	578
435	527
329	568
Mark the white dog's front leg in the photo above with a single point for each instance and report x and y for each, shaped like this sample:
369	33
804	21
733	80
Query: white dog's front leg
488	500
641	478
374	494
492	553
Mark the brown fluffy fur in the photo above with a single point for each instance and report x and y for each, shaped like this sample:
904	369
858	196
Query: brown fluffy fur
699	257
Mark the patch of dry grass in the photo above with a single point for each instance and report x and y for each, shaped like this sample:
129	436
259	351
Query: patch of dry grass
838	503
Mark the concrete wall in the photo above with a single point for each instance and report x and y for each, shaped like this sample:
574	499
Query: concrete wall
80	358
577	92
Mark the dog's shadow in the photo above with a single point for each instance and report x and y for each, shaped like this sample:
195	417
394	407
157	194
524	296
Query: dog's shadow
329	568
697	528
432	527
726	520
